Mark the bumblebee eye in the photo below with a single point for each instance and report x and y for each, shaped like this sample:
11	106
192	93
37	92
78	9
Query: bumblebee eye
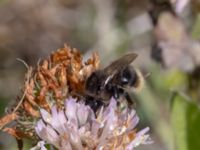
129	76
124	80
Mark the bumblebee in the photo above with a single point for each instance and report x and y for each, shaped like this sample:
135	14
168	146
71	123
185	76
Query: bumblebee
113	81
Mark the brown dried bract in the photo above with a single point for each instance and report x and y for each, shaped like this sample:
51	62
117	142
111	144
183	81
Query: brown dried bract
15	133
7	119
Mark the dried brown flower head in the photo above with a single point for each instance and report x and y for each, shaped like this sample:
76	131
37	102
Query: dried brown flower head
49	83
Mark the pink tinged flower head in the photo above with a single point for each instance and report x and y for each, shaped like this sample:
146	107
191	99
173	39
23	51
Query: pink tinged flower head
78	127
180	5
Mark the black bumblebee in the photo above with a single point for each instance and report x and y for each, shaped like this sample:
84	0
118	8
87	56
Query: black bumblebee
113	81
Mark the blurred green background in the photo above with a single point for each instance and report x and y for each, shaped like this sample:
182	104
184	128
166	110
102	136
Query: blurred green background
169	103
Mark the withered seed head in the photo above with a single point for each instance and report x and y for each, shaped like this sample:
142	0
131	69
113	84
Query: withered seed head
50	83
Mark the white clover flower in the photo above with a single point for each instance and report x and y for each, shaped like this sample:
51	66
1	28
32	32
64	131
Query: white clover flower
78	128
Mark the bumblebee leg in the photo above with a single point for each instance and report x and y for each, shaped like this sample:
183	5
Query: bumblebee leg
115	91
94	104
128	98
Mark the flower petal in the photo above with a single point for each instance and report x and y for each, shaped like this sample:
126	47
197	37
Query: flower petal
45	116
39	146
71	110
141	138
82	114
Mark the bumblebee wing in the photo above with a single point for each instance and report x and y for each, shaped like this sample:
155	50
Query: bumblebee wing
116	65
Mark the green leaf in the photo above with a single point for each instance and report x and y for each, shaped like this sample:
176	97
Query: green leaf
196	28
185	117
